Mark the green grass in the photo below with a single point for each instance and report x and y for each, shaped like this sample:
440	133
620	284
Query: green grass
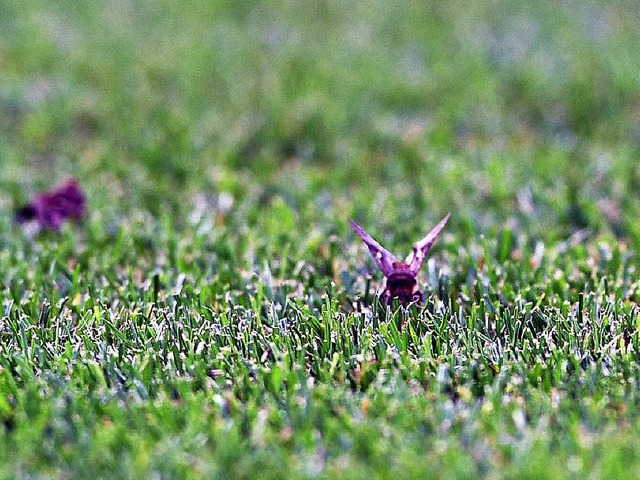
215	317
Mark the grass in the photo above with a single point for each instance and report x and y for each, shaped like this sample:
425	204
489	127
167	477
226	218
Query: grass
214	316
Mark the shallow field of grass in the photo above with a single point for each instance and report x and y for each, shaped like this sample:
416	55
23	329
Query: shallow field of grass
215	317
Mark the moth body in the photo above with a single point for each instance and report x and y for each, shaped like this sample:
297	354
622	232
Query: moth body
401	284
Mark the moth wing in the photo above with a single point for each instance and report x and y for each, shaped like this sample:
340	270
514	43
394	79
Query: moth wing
383	258
422	247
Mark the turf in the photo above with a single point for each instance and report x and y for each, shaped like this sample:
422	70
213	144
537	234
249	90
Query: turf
215	317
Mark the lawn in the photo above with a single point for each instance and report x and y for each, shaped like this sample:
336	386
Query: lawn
215	317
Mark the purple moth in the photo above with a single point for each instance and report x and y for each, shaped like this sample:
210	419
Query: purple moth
49	210
400	278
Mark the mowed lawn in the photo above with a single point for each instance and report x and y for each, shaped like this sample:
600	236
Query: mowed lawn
215	317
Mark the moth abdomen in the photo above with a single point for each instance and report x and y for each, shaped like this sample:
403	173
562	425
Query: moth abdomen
403	286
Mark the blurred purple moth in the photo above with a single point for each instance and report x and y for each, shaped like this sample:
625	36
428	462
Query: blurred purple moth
400	277
49	210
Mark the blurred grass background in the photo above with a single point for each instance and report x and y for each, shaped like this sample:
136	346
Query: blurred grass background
497	111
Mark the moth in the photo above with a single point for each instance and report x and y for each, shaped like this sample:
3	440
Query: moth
400	278
49	210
